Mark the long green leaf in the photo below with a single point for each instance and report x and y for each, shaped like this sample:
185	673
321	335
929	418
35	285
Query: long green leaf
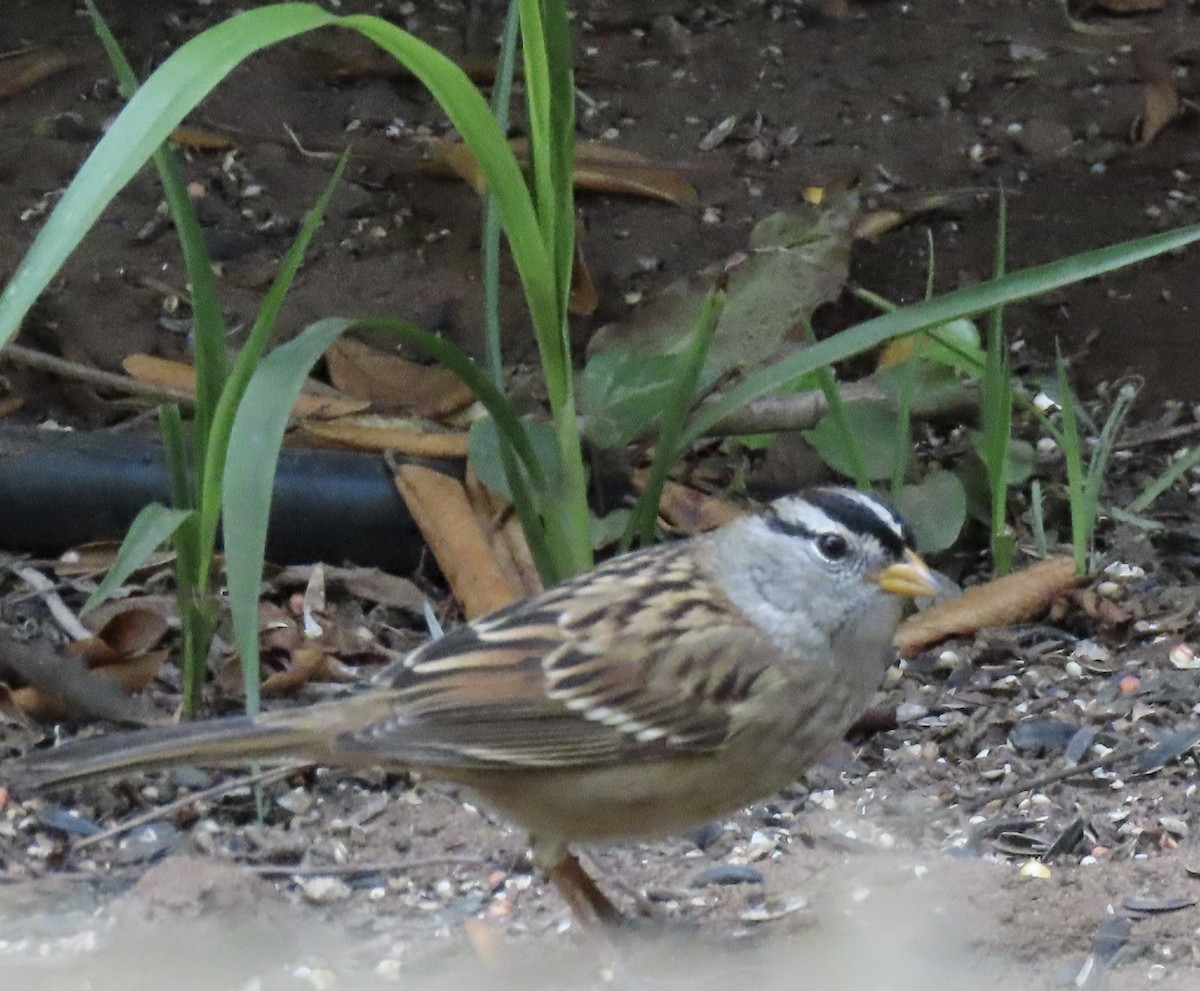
247	360
150	529
683	393
207	319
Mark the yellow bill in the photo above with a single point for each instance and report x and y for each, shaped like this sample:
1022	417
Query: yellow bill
910	577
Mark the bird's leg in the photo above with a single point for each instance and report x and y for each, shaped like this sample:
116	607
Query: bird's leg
590	906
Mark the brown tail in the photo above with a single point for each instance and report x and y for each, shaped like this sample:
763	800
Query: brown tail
213	742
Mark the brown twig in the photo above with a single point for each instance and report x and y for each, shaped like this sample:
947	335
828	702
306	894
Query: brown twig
162	811
1112	757
377	867
73	370
803	410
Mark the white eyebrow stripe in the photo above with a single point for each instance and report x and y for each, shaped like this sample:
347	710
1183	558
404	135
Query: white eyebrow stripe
885	515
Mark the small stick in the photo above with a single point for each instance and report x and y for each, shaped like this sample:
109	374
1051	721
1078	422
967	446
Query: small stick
162	811
73	370
378	867
62	613
1058	774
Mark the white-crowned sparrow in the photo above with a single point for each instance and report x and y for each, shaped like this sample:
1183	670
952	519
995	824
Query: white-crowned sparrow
656	692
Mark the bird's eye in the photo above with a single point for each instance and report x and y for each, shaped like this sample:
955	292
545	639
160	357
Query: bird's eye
832	546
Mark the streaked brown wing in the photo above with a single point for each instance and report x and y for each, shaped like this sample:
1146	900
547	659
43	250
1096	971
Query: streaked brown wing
565	679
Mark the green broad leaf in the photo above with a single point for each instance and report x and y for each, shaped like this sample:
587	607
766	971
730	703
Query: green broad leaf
873	426
955	344
936	509
608	529
150	529
1020	463
795	262
936	384
483	453
621	394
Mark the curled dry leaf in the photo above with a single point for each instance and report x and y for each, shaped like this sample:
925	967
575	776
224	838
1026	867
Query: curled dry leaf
1015	598
200	139
26	71
439	505
378	433
98	556
585	297
306	664
504	533
124	634
365	372
90	682
371	584
690	510
1160	99
599	168
181	376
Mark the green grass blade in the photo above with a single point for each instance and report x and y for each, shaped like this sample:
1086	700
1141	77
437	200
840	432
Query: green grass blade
962	303
150	529
175	453
1175	471
562	149
207	318
473	119
215	452
667	450
837	410
501	99
1081	522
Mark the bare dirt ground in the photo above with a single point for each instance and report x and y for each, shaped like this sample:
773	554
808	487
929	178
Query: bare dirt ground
886	867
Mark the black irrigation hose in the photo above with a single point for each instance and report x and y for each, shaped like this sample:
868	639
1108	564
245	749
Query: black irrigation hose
59	489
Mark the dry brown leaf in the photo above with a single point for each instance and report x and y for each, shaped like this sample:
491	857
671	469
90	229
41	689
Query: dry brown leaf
371	584
376	433
199	139
307	664
99	555
365	372
28	70
585	297
1160	106
1015	598
504	532
1160	99
689	510
181	376
439	505
599	168
166	606
133	630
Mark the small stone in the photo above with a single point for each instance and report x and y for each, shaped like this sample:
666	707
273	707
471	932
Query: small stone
1035	869
325	890
727	874
719	132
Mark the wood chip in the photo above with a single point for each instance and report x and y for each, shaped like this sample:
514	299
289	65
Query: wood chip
1015	598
